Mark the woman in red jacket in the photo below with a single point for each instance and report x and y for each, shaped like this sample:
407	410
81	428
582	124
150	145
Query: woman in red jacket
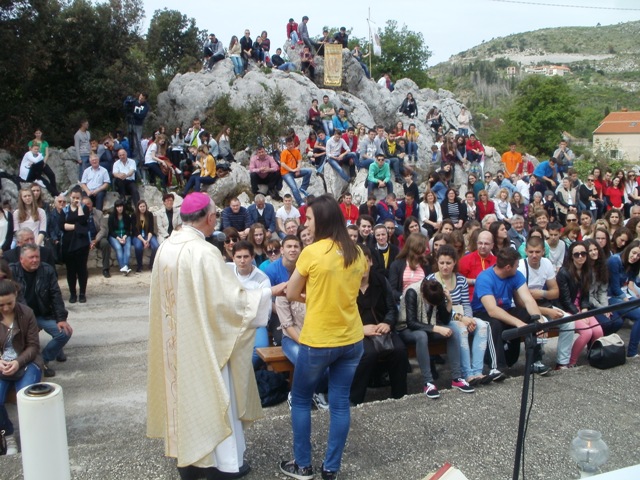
485	206
615	194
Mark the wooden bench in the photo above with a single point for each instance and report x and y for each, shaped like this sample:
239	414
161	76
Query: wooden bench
277	361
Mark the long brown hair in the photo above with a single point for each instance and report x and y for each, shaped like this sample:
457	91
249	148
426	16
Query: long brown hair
25	211
329	223
414	250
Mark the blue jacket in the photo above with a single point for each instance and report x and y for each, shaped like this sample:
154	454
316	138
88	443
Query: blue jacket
339	124
618	276
269	215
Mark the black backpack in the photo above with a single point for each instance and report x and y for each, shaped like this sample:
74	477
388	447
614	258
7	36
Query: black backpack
272	387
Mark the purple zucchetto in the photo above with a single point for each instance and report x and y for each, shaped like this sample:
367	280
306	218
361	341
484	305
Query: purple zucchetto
194	202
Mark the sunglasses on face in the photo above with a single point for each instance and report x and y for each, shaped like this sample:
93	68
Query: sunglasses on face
572	219
232	239
273	252
579	254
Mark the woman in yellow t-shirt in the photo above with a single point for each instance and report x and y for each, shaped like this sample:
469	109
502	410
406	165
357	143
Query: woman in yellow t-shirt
327	278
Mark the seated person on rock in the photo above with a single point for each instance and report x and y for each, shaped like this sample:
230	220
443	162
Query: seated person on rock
236	216
379	175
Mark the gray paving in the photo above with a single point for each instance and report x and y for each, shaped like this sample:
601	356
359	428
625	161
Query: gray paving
104	389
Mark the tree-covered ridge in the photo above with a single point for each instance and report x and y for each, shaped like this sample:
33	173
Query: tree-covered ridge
607	39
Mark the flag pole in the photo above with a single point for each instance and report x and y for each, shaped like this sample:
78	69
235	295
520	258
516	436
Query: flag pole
370	40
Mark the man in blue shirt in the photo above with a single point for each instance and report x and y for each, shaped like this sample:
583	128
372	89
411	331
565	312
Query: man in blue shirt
546	172
496	291
279	272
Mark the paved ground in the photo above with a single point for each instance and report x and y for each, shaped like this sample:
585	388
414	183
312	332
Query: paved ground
104	389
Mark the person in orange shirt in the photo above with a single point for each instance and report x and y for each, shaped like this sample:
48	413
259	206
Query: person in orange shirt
511	159
290	170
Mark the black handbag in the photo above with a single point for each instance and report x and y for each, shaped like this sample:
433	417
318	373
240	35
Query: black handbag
607	352
383	344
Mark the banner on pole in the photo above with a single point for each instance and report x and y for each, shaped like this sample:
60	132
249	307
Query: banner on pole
333	64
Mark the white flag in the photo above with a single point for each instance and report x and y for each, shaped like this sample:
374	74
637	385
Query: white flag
375	39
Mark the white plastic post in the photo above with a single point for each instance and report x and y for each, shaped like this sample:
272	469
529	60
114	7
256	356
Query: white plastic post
43	432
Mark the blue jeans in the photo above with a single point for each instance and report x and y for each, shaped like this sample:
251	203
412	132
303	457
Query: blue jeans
261	340
200	180
287	67
364	163
290	179
610	324
58	338
463	131
633	315
31	376
421	340
294	37
138	246
291	350
471	360
371	186
327	125
338	168
238	65
412	149
122	251
394	162
310	367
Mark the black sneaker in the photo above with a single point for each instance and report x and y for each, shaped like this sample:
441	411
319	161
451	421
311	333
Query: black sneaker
462	385
48	371
61	357
431	391
497	376
106	274
327	475
73	298
291	469
82	298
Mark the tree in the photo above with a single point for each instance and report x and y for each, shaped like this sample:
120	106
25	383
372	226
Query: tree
404	55
174	45
63	61
543	107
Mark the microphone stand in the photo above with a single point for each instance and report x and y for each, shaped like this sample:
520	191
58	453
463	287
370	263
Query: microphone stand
529	332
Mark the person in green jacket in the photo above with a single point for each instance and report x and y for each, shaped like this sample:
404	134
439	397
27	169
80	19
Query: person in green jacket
379	175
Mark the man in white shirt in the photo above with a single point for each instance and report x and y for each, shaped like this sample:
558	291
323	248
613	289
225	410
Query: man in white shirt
557	248
286	212
124	177
95	181
541	280
338	153
367	150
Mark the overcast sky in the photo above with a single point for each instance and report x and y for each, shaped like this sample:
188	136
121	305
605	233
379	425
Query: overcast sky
448	27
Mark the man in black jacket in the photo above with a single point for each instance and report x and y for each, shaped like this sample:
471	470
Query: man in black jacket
40	291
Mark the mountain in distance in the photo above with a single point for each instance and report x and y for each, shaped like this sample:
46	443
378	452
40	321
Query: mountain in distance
603	68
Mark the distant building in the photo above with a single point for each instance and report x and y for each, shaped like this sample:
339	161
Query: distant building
619	135
548	70
511	71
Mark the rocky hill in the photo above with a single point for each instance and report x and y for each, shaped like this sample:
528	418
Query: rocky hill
193	94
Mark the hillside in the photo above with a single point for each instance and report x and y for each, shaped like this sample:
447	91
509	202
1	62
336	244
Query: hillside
604	63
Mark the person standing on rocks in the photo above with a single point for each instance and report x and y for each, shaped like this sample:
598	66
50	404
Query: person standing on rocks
201	386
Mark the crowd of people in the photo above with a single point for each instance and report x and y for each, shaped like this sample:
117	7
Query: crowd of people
241	51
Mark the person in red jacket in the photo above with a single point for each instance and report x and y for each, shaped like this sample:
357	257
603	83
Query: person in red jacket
477	261
349	211
484	206
292	32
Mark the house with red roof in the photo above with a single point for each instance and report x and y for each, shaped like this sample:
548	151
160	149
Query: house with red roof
619	134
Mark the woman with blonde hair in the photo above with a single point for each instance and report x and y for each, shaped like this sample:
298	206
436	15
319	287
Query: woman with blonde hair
430	212
28	215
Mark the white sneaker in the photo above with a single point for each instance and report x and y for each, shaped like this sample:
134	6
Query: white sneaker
320	401
40	182
12	445
127	271
124	269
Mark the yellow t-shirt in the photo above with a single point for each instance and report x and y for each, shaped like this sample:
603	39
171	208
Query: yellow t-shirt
332	318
